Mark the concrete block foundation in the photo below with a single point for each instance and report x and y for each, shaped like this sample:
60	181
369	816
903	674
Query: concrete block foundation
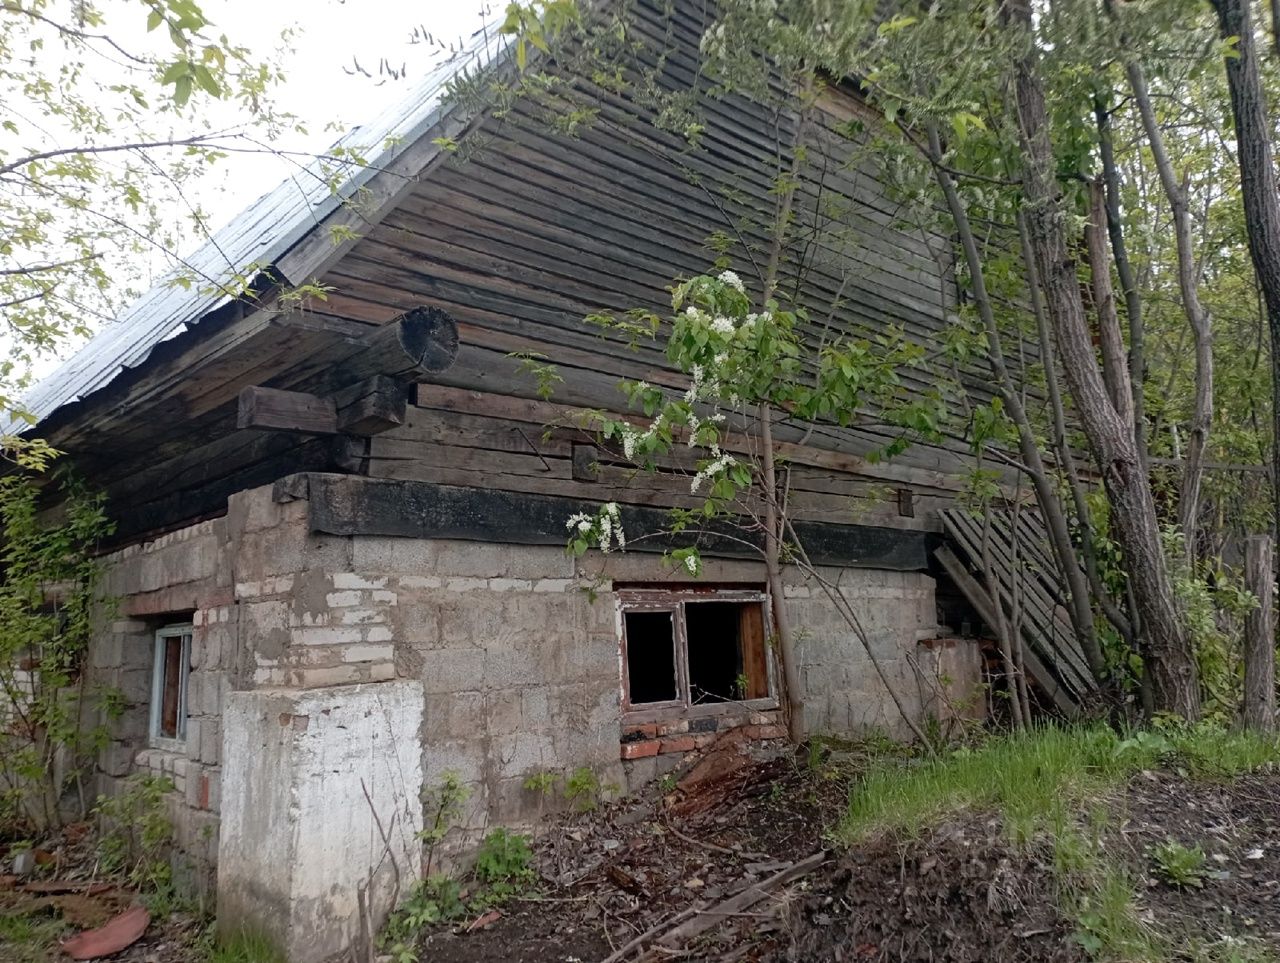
336	679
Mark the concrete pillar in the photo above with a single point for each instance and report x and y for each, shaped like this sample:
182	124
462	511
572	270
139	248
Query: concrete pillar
307	777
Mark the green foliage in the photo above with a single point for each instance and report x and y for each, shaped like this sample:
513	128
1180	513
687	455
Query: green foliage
503	871
1179	865
32	937
536	22
543	783
1038	781
434	900
1214	603
49	604
102	129
534	364
243	947
739	361
1030	777
441	806
503	867
136	836
1108	923
584	791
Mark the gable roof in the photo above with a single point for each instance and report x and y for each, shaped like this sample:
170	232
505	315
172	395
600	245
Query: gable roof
257	238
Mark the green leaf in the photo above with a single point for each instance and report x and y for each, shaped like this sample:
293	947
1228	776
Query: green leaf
900	22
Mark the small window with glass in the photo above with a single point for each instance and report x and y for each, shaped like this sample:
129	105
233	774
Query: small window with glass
172	670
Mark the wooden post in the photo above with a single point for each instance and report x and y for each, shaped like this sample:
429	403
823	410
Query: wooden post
1260	637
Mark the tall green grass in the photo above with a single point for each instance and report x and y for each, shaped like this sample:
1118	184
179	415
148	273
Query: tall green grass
1051	783
1028	777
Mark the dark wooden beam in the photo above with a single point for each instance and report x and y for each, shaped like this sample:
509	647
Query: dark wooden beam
365	408
279	410
352	505
371	406
421	341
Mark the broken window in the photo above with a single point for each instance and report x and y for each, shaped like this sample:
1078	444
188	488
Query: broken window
169	686
683	648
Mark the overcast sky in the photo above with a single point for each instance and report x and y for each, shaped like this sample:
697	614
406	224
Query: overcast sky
333	82
323	85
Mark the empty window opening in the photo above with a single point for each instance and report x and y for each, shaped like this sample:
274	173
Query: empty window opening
707	648
726	651
651	657
169	685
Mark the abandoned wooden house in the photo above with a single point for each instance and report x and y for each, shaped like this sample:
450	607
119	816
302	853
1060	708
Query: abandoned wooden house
341	523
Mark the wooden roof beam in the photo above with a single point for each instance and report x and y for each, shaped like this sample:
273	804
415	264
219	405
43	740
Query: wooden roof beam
421	341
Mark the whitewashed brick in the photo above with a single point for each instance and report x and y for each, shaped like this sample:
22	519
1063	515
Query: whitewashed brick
329	635
368	653
353	580
510	584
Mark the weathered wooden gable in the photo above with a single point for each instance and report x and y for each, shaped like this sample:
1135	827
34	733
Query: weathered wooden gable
518	241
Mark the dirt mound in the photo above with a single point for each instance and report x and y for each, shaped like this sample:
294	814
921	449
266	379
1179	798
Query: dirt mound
740	876
962	894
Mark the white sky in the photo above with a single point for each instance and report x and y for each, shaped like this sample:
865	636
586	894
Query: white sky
321	86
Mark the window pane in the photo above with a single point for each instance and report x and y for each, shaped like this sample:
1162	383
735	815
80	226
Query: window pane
715	652
171	686
651	657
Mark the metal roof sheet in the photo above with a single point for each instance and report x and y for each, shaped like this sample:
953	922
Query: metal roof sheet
257	237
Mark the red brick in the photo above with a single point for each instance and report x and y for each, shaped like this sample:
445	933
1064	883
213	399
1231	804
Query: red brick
766	732
204	790
678	744
648	730
639	750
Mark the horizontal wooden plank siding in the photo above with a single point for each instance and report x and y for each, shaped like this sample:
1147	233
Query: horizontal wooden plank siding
517	237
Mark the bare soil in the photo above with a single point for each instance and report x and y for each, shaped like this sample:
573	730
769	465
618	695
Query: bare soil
963	893
1236	825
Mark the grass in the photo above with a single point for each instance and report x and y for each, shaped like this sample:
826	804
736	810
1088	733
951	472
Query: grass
1032	777
34	936
1040	781
245	947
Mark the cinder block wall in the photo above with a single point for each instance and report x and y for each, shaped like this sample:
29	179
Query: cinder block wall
181	577
515	648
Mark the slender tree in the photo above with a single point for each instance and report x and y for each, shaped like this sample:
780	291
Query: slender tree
1167	650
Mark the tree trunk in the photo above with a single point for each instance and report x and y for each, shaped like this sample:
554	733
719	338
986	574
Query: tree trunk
1259	191
1128	284
1066	457
1115	374
1003	632
1167	651
1197	316
1260	637
773	515
1081	612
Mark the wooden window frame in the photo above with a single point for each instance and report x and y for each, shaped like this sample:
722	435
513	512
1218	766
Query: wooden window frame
155	738
674	600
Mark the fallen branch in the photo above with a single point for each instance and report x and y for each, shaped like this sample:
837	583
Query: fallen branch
669	935
707	919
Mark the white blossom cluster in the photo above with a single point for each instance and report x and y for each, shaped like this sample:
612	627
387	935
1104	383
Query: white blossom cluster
719	463
631	436
732	280
607	526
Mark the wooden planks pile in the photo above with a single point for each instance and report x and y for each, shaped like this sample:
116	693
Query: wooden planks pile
1023	565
